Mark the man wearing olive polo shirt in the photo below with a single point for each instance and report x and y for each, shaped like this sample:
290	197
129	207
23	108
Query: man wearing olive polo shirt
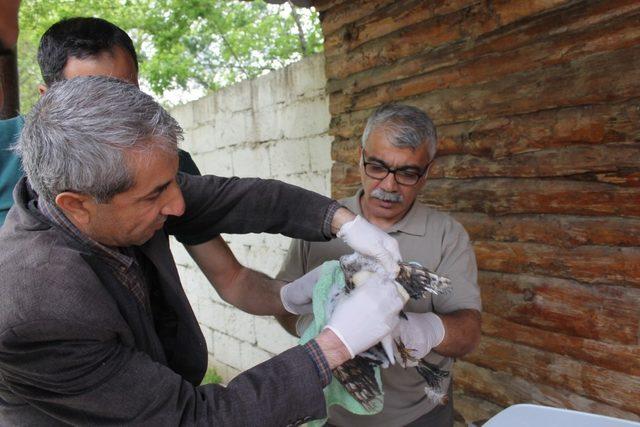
398	145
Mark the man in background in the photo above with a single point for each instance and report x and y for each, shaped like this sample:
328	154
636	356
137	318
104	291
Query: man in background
398	146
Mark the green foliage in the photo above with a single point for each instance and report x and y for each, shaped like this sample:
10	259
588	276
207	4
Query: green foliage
211	377
182	44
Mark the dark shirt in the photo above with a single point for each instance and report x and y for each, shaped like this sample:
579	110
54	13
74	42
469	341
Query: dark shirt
187	165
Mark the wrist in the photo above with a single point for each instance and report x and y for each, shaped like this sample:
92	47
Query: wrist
334	350
341	217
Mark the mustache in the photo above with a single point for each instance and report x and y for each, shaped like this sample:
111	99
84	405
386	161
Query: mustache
386	196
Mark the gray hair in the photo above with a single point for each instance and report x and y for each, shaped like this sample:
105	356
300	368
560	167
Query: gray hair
406	126
77	136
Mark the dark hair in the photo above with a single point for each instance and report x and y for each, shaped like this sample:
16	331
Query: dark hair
79	38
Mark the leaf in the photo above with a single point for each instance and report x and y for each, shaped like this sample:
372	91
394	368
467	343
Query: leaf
180	43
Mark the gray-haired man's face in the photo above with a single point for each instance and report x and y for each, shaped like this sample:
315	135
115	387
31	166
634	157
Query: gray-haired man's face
133	216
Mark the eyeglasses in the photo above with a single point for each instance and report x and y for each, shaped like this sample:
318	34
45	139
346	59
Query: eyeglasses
403	175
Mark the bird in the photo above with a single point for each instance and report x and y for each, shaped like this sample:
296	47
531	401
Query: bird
357	375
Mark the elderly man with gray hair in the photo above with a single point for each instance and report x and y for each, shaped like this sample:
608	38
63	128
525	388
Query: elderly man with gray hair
398	147
95	328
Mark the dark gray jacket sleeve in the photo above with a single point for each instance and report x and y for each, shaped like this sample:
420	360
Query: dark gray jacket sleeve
55	367
217	205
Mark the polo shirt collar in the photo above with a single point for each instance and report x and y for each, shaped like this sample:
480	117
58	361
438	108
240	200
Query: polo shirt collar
414	222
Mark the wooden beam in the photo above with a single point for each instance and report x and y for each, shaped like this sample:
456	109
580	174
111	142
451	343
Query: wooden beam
9	88
600	265
504	196
564	231
542	367
617	357
505	389
608	314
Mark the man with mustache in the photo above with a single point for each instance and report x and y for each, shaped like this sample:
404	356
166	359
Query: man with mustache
398	147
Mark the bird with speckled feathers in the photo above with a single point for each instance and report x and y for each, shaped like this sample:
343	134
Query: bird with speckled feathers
358	374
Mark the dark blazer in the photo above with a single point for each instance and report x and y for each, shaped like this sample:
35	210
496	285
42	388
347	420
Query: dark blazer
77	348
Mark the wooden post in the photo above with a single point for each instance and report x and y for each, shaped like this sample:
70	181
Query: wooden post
9	92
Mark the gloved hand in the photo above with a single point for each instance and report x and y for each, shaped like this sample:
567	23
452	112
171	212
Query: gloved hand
367	315
419	333
367	239
296	296
303	323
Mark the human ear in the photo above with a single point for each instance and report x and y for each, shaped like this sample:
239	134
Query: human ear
77	206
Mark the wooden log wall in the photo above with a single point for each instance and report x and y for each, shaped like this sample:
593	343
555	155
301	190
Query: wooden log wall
537	105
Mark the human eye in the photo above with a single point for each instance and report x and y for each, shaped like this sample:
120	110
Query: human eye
408	174
376	168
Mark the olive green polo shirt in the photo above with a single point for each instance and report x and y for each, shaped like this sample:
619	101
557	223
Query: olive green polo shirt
436	241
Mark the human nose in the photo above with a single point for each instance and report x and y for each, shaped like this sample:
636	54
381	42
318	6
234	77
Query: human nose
175	204
389	183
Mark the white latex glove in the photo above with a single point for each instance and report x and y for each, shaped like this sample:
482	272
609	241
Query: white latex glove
303	323
296	296
367	239
419	334
369	314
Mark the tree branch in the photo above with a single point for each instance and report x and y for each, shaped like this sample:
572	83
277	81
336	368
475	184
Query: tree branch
228	44
296	18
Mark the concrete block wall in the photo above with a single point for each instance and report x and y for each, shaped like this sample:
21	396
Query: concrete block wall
275	126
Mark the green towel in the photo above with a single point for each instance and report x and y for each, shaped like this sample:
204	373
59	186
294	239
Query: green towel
334	393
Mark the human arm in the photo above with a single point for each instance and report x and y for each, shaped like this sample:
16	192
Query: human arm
9	23
217	205
460	308
293	266
462	333
9	99
84	375
84	370
247	289
455	334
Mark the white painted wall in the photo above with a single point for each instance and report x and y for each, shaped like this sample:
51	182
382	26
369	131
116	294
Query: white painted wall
275	126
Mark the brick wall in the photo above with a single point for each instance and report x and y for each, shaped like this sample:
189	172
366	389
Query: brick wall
272	127
537	105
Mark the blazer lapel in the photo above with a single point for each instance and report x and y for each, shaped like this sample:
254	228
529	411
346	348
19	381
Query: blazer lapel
138	319
189	357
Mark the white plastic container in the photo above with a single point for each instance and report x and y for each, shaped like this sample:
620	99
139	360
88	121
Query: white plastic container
525	415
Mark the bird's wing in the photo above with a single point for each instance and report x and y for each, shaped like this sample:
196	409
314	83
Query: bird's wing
434	376
359	379
419	281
